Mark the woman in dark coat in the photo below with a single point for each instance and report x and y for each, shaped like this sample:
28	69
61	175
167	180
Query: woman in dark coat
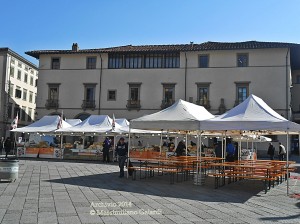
7	146
180	150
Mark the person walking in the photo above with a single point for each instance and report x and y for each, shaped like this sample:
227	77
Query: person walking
122	151
7	146
218	149
271	151
282	152
106	147
2	145
230	152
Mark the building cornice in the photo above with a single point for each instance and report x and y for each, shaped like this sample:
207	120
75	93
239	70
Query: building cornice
17	56
206	46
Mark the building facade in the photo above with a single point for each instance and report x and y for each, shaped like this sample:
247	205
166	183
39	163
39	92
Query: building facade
18	90
131	81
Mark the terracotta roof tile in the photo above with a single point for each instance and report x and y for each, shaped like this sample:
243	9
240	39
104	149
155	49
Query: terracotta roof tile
171	48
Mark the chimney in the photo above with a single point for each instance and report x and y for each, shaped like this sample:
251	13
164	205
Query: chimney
192	44
75	47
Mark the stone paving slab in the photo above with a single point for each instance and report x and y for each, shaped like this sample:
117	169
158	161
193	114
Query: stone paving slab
73	192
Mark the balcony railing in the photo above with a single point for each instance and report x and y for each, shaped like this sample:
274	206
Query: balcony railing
52	104
167	103
88	104
204	103
133	104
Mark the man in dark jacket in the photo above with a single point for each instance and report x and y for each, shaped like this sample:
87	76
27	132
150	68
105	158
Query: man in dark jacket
271	151
230	152
106	147
218	149
122	151
2	145
7	146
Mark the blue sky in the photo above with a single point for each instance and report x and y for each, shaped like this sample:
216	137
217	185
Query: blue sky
56	24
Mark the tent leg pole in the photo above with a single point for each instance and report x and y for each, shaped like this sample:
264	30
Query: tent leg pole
200	160
222	145
15	136
186	143
198	146
83	141
61	145
225	143
114	149
129	145
287	163
299	144
240	149
160	145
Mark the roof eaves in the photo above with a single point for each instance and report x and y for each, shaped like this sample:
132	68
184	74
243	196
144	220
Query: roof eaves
206	46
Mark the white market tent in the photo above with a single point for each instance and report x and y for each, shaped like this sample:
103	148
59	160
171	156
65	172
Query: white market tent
123	122
73	122
93	124
252	114
46	124
181	115
101	124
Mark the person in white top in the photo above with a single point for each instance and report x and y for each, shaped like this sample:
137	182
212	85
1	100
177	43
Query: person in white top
282	152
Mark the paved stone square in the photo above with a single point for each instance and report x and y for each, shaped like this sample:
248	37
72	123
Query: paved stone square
66	191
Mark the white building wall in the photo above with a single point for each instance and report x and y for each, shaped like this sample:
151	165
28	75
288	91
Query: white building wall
266	74
30	87
266	69
3	87
6	63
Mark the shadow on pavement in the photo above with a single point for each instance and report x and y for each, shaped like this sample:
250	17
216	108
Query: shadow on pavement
67	161
238	192
280	218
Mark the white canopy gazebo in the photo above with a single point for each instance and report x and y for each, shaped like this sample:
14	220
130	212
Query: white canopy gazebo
181	116
47	124
73	122
253	115
96	124
93	124
122	121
